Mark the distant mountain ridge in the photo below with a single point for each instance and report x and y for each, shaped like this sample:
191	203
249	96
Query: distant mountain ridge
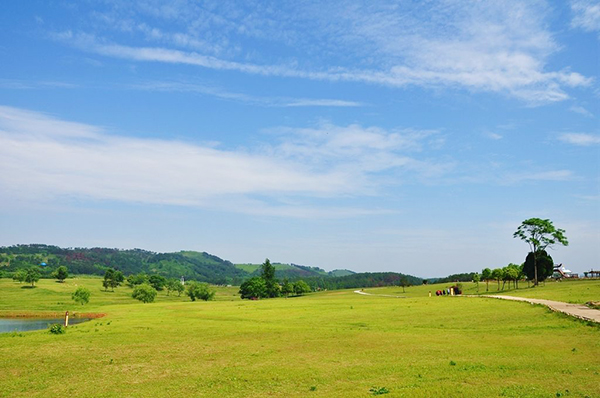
194	265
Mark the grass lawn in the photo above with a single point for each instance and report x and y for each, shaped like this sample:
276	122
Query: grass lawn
570	291
333	344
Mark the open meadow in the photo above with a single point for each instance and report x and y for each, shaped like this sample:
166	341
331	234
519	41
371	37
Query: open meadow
333	343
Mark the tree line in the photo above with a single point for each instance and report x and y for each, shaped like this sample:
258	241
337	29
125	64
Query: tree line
267	286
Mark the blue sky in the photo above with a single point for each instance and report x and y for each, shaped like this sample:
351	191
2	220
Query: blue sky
375	136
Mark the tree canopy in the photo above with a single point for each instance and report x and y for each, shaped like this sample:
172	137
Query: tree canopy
542	261
81	295
144	292
197	290
540	234
268	274
61	273
253	288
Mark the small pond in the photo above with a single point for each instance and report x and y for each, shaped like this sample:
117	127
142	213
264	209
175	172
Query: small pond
25	324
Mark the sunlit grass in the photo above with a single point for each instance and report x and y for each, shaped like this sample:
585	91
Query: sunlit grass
331	344
572	291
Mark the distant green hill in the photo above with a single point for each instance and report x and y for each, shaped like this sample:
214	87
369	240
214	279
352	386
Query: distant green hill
95	261
286	271
189	264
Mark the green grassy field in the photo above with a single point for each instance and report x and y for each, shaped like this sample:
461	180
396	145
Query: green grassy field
333	344
574	291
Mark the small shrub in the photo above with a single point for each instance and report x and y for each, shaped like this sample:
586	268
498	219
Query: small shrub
379	390
57	328
200	291
81	295
452	363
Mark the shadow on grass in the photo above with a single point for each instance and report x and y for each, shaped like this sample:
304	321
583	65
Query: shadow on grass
28	287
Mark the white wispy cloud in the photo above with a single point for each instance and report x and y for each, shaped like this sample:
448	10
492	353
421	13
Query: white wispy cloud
550	175
493	136
205	89
586	15
483	47
581	139
34	84
581	110
41	153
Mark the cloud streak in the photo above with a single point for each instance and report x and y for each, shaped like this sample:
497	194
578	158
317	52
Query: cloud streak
188	87
483	47
44	156
586	15
580	139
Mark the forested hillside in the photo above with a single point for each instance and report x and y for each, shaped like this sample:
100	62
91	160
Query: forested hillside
191	265
294	271
95	261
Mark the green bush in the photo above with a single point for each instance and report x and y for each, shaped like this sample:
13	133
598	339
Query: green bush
200	291
81	295
144	292
254	288
57	328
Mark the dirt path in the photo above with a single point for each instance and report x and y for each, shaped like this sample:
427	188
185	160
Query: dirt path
577	310
381	295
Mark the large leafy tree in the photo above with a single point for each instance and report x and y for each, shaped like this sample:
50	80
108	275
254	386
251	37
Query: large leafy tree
540	234
61	273
301	287
81	295
198	290
158	282
541	263
497	274
144	292
32	275
174	285
271	284
486	275
253	288
511	274
287	288
112	279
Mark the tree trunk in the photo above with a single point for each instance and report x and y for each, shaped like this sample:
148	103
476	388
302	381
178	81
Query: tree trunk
535	279
487	285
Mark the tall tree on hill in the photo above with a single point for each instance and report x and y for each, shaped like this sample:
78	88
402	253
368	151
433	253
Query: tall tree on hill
268	274
539	234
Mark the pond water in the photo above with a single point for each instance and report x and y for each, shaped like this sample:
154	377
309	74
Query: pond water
25	324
